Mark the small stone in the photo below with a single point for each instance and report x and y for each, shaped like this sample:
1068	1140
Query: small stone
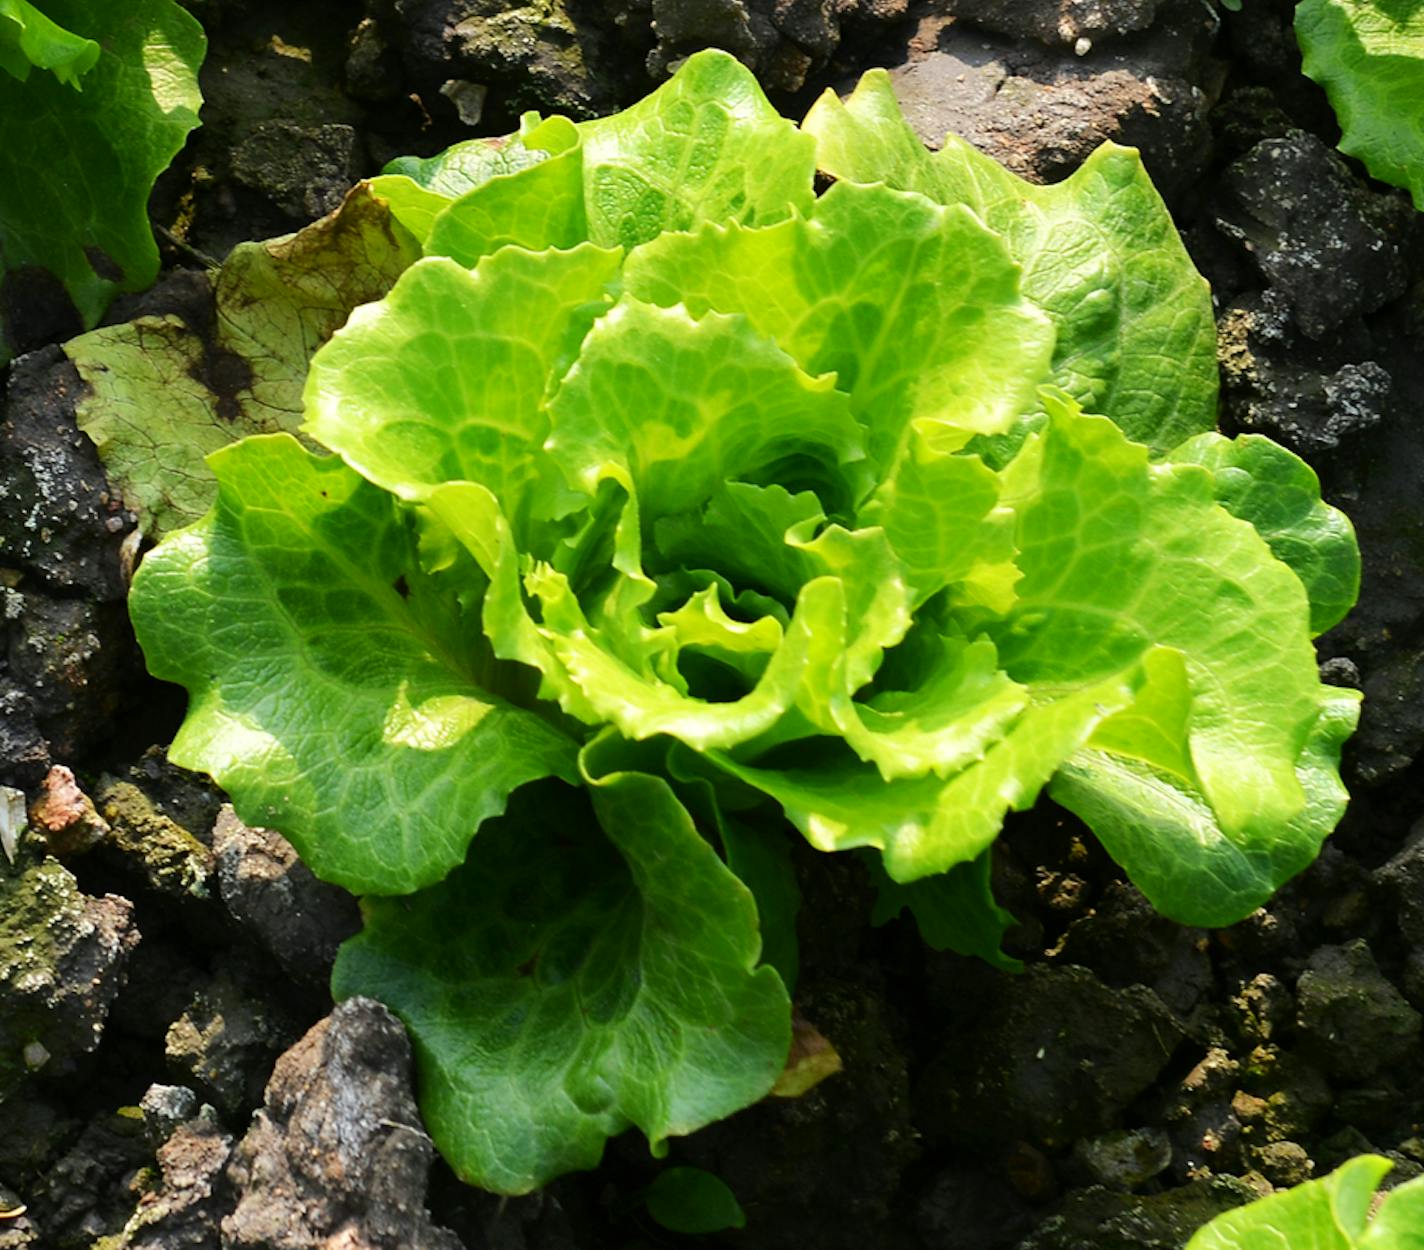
225	1043
467	97
1126	1158
274	896
1352	1020
164	1108
1283	1163
12	819
337	1155
66	816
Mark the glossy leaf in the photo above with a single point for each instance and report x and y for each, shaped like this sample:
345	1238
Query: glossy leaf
78	166
569	983
1136	338
1332	1213
1369	57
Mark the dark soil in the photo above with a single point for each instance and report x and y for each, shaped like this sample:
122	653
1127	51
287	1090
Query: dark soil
171	1069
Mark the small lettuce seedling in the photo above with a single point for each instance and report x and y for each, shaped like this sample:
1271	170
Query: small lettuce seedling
1332	1213
669	503
97	98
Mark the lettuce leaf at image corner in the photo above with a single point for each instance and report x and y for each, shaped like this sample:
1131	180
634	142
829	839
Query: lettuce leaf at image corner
28	40
1369	57
76	167
1332	1213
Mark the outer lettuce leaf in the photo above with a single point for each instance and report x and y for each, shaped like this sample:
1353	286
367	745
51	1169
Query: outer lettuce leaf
1156	823
566	985
1332	1213
162	394
78	166
337	691
1136	336
1118	556
954	911
1369	57
29	39
1261	482
542	208
706	146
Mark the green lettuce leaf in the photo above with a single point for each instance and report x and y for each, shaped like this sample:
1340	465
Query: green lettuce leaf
78	166
162	394
337	691
569	983
954	911
1136	338
704	147
28	39
915	308
1332	1213
1369	57
1261	482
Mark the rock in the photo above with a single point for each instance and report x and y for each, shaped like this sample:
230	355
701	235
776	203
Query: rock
65	641
1332	248
1058	21
1275	384
62	956
969	1207
1126	941
183	1213
336	1156
550	55
1200	1116
372	69
305	170
65	816
164	1108
58	522
75	661
1283	1163
36	1131
88	1192
166	857
225	1042
1351	1020
1391	733
1042	111
1126	1158
1263	1006
272	894
1297	1094
1402	880
1099	1219
1056	1055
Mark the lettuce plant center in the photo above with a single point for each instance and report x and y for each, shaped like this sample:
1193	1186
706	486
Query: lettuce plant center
669	510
